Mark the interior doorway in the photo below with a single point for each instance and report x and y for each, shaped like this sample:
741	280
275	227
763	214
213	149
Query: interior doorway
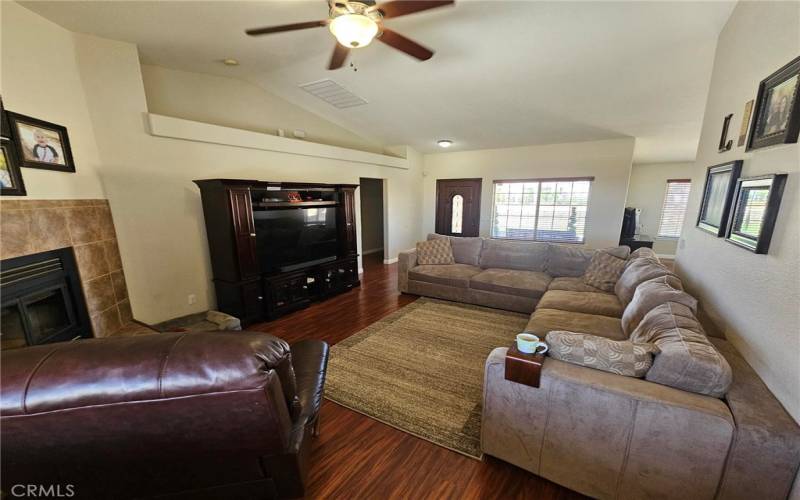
372	220
458	207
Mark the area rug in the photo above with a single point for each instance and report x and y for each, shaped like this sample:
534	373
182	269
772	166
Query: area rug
420	369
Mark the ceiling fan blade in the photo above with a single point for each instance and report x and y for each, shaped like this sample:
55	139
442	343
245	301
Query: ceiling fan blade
403	44
404	7
340	53
286	27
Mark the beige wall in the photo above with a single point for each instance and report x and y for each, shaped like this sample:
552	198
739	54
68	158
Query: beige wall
148	179
755	299
608	161
646	191
39	78
157	207
239	104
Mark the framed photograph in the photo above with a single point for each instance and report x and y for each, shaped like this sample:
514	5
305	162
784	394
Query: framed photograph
41	144
717	195
11	183
755	210
5	126
777	112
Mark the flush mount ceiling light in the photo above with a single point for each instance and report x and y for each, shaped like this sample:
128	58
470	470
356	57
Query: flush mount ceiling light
355	23
444	143
230	62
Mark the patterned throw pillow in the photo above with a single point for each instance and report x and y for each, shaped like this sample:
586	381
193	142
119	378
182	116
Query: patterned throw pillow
435	252
622	357
604	270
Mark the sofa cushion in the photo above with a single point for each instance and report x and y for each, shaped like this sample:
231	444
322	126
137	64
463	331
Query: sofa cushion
686	359
622	357
573	285
638	271
604	270
509	254
605	304
465	250
520	283
653	293
544	321
434	252
457	275
568	260
644	252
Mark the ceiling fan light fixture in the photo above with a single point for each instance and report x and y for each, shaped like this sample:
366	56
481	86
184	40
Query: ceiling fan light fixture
444	143
354	30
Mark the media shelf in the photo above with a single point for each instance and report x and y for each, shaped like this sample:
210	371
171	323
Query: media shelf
249	280
296	204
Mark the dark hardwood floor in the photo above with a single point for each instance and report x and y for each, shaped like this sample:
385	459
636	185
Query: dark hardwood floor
358	457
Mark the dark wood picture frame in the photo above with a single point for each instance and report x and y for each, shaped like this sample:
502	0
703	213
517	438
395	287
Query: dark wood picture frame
760	244
735	170
789	134
15	119
9	153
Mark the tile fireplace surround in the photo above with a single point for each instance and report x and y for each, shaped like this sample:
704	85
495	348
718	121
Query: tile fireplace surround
32	226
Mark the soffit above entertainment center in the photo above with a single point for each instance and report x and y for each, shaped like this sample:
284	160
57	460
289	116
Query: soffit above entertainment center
178	128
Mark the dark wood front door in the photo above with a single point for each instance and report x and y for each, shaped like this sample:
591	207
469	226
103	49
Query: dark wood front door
458	207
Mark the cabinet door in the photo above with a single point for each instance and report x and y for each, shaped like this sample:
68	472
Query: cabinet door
347	223
244	232
253	301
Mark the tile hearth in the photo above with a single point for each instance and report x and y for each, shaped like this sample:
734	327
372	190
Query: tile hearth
32	226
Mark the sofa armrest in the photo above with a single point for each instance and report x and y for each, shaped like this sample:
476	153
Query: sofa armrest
606	435
112	370
767	441
406	261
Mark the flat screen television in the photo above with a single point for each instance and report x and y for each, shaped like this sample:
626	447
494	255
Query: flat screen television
295	238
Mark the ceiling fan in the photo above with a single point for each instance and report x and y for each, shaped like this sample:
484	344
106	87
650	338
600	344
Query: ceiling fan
355	23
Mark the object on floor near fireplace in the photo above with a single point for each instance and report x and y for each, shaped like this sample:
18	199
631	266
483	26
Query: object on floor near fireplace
42	300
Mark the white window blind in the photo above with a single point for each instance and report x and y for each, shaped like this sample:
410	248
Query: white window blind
541	209
674	208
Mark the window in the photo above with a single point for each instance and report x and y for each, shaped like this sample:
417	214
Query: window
674	208
541	209
458	214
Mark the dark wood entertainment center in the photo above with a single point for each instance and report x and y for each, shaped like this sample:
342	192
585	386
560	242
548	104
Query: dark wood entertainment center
250	288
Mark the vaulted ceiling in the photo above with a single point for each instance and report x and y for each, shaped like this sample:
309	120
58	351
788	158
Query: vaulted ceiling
505	73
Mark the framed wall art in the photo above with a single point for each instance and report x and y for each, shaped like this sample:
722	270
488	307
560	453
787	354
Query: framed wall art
41	144
717	194
777	111
11	183
755	211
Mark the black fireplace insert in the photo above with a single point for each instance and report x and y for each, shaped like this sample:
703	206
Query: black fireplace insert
42	300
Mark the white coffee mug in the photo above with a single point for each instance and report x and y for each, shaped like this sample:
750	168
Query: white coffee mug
530	344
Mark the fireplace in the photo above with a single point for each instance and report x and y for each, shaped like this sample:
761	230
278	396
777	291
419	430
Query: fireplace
42	300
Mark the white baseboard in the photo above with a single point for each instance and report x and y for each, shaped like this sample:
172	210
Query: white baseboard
374	250
390	261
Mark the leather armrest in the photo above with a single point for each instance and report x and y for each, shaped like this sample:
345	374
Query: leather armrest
147	367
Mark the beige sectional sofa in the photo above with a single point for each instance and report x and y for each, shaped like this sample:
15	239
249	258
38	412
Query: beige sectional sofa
608	435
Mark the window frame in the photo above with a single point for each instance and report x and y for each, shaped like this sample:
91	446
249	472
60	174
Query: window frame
539	180
659	236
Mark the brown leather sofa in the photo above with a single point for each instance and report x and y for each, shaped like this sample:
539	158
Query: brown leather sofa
177	415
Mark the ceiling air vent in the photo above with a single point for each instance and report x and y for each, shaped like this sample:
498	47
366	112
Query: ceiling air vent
333	93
